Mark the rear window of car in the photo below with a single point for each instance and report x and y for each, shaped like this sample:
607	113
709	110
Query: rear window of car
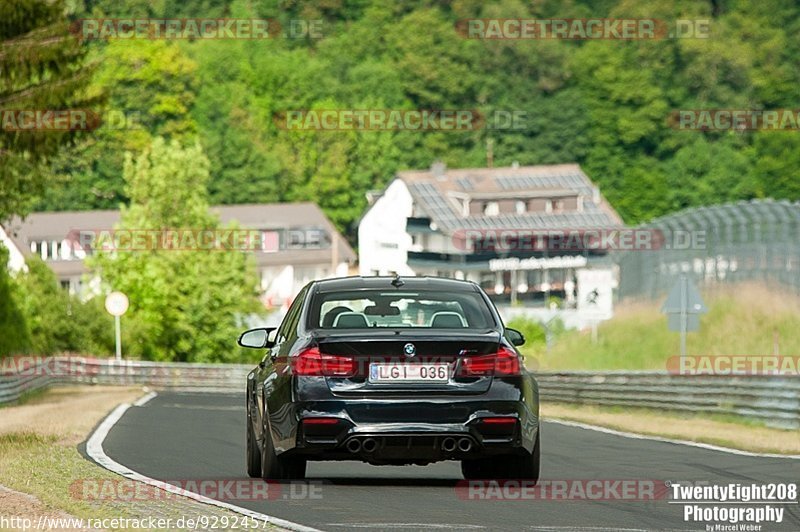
393	309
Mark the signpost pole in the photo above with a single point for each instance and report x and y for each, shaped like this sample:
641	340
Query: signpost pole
118	337
684	313
683	304
116	305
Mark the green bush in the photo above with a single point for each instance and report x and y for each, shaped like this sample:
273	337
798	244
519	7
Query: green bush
532	330
14	336
57	322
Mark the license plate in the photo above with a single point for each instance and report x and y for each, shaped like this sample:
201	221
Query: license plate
382	373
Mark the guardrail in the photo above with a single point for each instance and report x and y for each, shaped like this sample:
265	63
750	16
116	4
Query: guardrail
772	400
775	401
22	375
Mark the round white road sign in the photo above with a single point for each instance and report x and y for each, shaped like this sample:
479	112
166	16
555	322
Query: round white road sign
116	303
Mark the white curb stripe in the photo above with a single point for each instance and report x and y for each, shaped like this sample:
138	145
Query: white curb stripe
94	448
668	440
144	399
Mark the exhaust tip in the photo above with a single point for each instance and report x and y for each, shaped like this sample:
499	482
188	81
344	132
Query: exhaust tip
465	444
369	445
353	445
449	445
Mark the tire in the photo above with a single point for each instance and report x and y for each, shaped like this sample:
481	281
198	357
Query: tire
292	468
521	467
479	469
270	469
526	466
253	452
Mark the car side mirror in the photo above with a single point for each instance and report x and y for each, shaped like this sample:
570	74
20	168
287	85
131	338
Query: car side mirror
256	338
515	337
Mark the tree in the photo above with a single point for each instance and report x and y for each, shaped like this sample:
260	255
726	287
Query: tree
150	85
186	305
57	321
41	68
14	335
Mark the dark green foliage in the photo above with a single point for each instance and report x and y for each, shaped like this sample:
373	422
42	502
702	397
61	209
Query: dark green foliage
14	336
603	104
41	68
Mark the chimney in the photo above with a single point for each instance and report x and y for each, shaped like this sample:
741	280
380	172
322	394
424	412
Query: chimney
438	168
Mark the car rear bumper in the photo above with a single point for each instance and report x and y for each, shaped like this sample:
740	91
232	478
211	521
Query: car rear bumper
409	432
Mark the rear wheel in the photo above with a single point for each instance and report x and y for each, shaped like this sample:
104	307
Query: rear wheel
293	468
269	461
480	469
274	467
524	467
253	452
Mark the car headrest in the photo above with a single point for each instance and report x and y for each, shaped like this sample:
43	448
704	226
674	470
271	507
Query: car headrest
447	319
330	316
350	320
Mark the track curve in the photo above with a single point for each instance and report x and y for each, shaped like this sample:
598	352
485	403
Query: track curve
200	437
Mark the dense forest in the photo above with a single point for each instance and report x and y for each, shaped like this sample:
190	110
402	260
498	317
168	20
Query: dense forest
204	122
602	103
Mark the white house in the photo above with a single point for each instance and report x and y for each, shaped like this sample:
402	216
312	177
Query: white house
482	224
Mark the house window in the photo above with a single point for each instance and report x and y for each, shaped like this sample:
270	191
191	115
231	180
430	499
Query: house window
520	207
491	208
554	206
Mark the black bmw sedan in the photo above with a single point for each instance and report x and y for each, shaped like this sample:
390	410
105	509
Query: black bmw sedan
391	371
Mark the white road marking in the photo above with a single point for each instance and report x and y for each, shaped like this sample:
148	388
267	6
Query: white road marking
669	440
94	448
144	399
385	526
203	407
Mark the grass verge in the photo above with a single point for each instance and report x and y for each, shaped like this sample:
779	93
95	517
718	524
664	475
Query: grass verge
724	431
39	457
746	319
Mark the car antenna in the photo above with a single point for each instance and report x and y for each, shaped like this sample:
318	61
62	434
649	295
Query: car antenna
397	282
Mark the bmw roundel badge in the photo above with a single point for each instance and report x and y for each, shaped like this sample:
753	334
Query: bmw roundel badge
409	350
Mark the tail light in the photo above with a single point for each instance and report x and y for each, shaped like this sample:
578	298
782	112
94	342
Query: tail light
503	363
311	363
321	420
499	420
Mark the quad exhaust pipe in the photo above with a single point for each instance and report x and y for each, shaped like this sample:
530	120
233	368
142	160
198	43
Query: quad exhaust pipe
370	445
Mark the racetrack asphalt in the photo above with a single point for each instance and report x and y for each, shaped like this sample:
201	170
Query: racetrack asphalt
182	437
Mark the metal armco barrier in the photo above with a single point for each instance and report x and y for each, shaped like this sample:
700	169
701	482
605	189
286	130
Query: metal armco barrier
773	400
34	373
